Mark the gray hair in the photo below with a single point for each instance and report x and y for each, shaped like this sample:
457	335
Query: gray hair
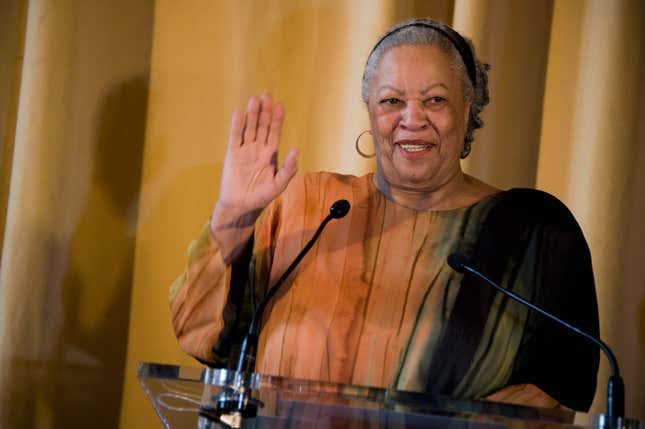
425	32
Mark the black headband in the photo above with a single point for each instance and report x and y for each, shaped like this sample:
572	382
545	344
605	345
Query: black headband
455	38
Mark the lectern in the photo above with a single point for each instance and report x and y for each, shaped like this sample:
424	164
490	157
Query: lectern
178	393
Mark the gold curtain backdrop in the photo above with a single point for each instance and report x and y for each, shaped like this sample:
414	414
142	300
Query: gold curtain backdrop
113	122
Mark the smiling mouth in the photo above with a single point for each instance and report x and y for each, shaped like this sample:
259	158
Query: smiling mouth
414	146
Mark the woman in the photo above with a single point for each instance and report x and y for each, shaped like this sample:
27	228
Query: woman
374	302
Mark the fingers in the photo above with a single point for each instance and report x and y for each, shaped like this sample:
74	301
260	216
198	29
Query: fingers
251	124
260	118
266	106
237	124
275	130
267	119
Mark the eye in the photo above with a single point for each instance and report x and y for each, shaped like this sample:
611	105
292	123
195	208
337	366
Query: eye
436	102
390	101
433	101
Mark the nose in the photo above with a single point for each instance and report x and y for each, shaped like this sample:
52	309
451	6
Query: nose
414	117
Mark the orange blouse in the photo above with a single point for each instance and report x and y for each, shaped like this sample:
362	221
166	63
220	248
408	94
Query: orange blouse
368	305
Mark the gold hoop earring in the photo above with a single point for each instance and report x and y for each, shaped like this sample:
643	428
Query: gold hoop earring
358	149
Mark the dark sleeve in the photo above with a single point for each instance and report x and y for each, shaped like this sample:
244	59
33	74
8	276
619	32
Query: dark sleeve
238	311
558	361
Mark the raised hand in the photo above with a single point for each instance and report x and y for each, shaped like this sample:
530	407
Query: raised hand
250	178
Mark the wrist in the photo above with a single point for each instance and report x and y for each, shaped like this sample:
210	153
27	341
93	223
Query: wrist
231	228
230	217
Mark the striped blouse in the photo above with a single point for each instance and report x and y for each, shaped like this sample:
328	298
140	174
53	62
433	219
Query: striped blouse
374	302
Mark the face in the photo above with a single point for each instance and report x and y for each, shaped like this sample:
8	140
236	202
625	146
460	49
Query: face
418	118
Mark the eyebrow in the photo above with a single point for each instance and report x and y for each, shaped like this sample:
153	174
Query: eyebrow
422	92
390	87
425	91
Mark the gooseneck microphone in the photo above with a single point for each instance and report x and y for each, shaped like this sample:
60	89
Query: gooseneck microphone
247	351
615	387
234	403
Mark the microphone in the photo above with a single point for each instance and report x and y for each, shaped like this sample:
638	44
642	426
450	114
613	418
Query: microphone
337	210
615	387
234	404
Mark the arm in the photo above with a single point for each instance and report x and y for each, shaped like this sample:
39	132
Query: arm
553	366
250	178
199	295
561	364
205	299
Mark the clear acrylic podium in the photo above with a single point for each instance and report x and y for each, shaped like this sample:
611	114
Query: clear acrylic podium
176	393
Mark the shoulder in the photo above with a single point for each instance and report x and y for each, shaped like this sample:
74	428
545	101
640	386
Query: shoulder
334	180
535	205
311	192
322	186
306	201
526	214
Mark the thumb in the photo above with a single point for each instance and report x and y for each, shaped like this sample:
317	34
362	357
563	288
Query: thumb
288	170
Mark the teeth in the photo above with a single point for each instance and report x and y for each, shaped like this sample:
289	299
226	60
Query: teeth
414	147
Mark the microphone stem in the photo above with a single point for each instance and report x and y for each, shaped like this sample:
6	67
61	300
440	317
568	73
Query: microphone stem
596	341
615	388
250	340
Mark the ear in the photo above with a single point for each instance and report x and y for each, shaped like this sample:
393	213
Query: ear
467	111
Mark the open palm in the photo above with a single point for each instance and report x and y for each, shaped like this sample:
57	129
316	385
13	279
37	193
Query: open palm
251	179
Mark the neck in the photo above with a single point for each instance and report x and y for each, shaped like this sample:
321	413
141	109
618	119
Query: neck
453	192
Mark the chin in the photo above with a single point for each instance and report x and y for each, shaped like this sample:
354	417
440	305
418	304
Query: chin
416	177
413	182
409	180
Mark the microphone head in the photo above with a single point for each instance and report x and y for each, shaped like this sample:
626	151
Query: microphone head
339	209
457	262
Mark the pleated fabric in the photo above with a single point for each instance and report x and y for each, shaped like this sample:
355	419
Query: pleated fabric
375	303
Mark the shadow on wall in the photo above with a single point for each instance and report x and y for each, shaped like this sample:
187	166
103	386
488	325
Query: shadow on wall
97	289
81	383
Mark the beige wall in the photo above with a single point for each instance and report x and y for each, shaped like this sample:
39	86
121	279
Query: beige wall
12	30
67	254
506	150
590	155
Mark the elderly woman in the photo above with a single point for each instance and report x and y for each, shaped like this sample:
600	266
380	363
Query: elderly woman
375	302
